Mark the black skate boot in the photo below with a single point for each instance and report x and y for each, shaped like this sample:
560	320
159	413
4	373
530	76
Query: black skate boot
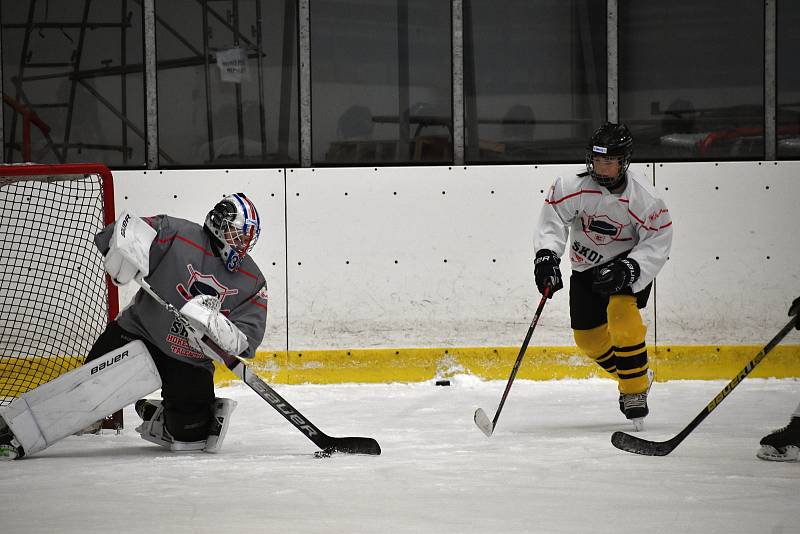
146	408
634	405
10	448
782	445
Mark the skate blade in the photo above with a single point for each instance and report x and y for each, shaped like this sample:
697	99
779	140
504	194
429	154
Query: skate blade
638	424
784	454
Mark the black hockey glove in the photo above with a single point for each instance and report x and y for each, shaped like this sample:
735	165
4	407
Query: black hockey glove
615	276
546	271
794	309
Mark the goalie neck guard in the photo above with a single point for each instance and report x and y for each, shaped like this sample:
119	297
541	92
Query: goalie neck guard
235	226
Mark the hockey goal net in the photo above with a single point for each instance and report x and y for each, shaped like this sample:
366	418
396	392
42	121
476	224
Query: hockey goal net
55	299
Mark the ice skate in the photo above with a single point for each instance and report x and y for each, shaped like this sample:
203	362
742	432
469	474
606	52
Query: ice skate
10	448
634	405
145	408
782	445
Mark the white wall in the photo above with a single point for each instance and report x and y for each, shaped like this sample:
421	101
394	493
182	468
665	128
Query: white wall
355	257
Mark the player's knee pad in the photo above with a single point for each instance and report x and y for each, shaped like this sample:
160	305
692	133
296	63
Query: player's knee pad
596	343
155	429
628	336
188	422
80	397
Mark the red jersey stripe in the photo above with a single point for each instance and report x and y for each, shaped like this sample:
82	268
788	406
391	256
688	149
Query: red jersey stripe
582	191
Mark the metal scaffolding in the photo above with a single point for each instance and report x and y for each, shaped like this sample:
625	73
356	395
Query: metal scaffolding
79	77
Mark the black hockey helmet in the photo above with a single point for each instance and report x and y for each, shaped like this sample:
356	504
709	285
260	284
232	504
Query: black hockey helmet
610	141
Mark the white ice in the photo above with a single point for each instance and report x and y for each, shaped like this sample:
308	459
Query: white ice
549	467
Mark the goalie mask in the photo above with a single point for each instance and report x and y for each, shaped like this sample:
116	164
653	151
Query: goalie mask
234	226
609	154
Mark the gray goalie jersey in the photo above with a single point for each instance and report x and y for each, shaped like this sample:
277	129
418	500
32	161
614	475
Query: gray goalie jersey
182	266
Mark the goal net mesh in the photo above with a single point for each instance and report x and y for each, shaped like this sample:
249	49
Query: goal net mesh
53	293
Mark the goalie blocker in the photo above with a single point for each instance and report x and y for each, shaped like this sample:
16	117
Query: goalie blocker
37	419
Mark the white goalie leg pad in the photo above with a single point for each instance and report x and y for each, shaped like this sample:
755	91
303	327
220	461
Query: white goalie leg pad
223	408
80	397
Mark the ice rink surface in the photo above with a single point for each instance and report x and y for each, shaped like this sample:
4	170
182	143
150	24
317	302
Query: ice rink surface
548	468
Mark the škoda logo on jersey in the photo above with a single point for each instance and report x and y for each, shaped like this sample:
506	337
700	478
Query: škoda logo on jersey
108	362
601	230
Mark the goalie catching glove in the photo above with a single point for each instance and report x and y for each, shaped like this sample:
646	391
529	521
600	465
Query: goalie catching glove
203	314
129	250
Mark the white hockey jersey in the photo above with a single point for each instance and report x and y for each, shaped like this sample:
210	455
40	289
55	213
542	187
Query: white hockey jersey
605	225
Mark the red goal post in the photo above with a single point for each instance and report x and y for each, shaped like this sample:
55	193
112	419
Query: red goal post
55	298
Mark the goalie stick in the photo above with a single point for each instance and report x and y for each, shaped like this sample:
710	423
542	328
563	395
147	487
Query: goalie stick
327	444
480	417
636	445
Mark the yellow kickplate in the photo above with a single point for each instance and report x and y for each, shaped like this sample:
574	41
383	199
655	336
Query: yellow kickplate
693	362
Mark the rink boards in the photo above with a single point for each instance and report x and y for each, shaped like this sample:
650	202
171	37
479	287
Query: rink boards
407	273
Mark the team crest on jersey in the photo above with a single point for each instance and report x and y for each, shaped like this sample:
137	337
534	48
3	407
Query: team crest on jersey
204	284
601	230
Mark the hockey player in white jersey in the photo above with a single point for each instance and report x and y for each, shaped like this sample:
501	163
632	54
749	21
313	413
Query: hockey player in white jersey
618	233
783	445
206	272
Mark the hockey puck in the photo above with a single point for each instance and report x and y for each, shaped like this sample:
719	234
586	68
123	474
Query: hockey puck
442	382
326	453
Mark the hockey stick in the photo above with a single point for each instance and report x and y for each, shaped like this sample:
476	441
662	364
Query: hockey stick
481	419
328	444
629	443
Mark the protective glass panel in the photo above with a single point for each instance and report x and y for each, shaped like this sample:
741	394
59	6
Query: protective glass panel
72	82
534	78
238	107
691	78
381	81
788	48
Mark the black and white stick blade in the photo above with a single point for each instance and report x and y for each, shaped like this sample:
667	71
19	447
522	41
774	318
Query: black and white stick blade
483	422
352	446
632	444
